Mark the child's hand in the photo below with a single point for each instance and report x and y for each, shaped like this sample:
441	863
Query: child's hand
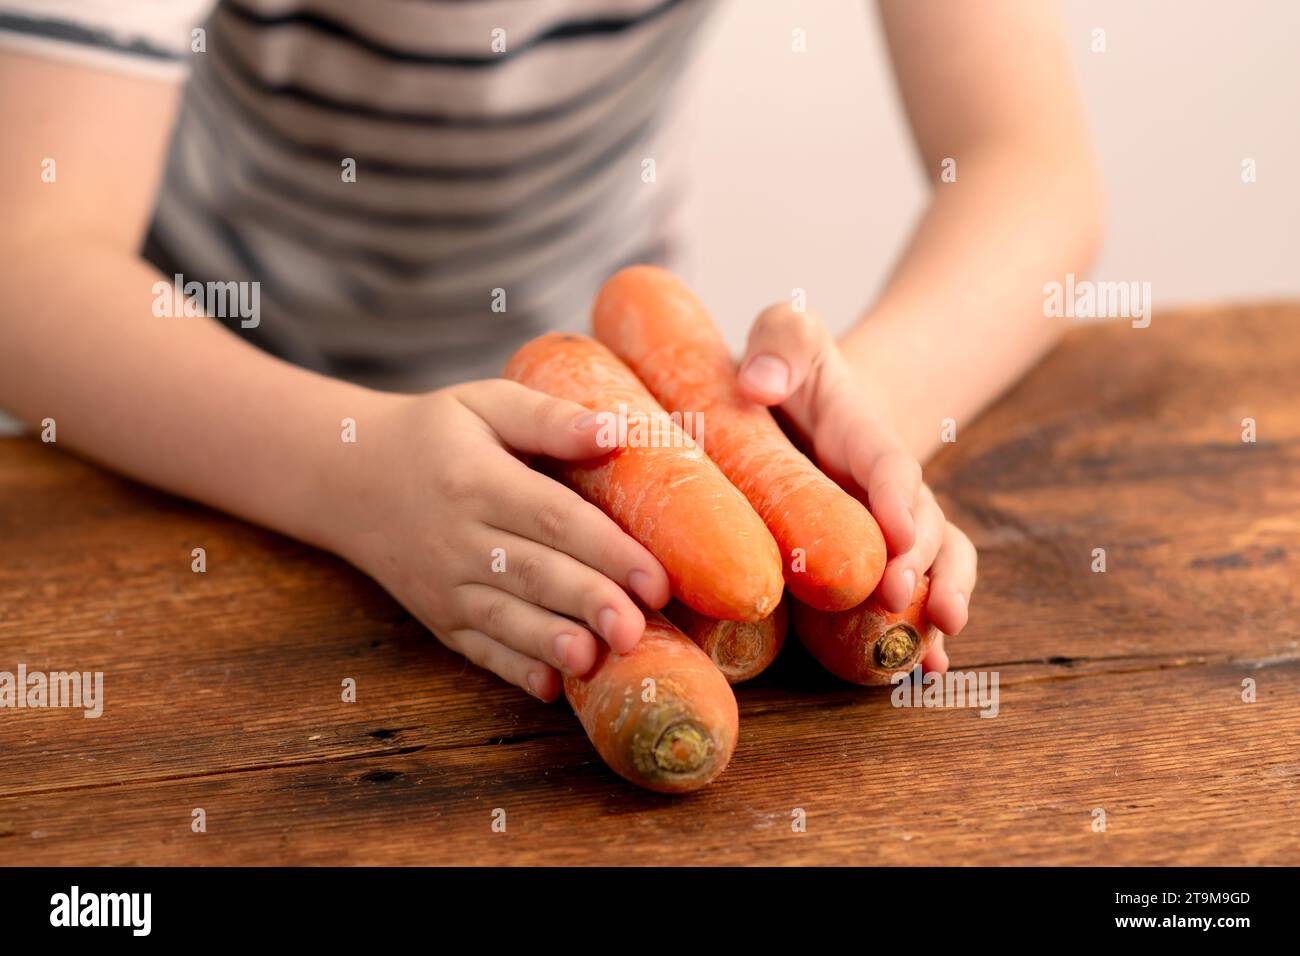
441	489
791	361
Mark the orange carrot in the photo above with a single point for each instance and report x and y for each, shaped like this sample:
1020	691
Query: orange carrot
661	715
661	489
831	547
740	649
867	644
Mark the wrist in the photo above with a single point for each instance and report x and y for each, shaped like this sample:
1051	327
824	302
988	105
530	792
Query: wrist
874	361
865	344
350	471
883	356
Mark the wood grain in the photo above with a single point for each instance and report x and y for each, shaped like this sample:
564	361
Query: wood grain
1120	691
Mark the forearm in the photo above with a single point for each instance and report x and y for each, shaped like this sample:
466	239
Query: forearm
180	403
961	317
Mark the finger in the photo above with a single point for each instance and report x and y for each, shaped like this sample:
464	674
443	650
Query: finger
527	628
902	573
952	579
892	480
547	578
551	579
784	348
535	507
936	658
539	679
533	422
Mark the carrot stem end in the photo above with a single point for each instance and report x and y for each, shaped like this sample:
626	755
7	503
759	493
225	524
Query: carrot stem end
897	646
682	748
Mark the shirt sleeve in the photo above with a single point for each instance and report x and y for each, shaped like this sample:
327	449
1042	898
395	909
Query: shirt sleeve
144	37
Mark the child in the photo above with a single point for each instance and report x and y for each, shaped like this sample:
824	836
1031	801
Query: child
380	202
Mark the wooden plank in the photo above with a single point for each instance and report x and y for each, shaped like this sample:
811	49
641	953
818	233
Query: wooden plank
1185	771
1130	440
225	686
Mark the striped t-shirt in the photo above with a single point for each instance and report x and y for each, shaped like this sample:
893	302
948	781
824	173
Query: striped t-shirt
417	185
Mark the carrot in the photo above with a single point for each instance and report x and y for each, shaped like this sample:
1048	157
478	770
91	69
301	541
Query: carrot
867	644
832	549
740	649
720	558
661	715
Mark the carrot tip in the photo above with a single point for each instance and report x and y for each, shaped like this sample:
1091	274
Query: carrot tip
739	646
897	646
682	748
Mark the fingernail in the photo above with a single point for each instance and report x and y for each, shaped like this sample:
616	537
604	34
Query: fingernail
767	374
535	684
561	650
962	599
605	622
639	583
909	578
585	421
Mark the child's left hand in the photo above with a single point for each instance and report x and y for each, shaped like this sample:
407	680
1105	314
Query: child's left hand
792	362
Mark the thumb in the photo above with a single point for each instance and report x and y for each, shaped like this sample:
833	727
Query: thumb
784	347
533	422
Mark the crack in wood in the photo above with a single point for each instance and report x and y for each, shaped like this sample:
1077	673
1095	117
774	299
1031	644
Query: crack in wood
223	771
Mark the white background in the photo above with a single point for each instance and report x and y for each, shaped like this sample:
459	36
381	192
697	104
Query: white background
802	171
804	174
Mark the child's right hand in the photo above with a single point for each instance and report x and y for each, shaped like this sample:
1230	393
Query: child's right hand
438	489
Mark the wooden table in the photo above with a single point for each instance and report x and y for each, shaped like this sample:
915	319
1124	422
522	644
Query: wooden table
1120	690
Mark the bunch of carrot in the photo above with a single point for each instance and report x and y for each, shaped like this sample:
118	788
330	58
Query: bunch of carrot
733	523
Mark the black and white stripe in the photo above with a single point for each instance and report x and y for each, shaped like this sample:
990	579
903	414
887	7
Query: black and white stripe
476	169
